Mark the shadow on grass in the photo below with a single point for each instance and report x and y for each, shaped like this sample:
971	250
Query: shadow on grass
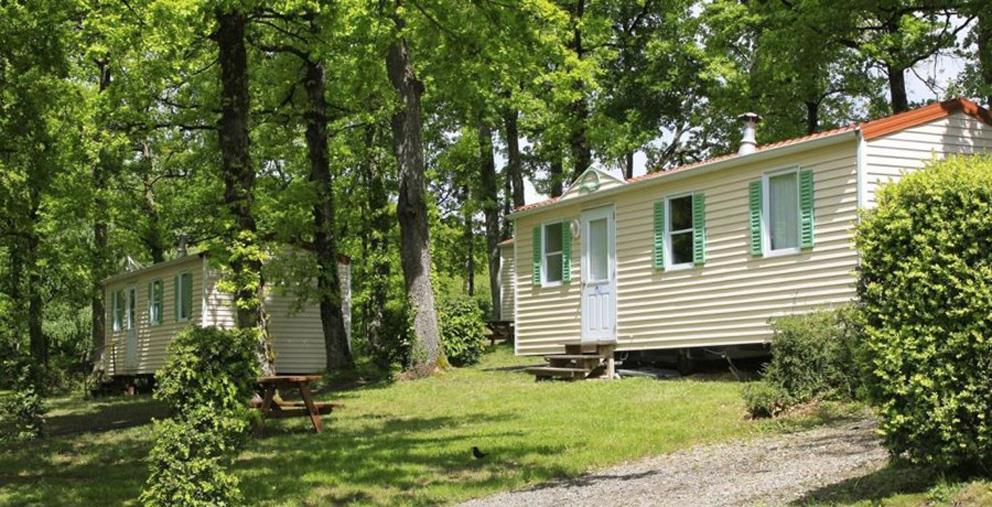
386	460
104	415
894	479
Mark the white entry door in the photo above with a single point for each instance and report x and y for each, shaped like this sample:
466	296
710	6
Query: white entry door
131	324
599	302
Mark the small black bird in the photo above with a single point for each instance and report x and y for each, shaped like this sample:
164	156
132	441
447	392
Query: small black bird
477	454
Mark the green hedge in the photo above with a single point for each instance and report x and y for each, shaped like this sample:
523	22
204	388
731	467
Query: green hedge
926	287
208	382
463	330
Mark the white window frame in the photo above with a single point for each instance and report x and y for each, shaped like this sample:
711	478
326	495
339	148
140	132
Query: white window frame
667	238
766	230
179	293
156	319
116	316
544	254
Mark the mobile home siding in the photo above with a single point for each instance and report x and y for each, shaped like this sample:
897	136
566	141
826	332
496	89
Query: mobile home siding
152	340
890	156
730	299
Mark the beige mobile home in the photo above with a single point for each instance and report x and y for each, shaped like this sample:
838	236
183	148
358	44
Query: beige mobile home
147	307
705	254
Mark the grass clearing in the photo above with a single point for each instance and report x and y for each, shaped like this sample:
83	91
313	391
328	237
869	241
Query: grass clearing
402	443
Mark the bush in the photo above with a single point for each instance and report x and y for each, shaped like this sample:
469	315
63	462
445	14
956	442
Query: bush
463	330
764	399
22	411
207	381
813	355
926	288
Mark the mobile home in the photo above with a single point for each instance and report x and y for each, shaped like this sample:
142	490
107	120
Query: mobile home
704	255
147	307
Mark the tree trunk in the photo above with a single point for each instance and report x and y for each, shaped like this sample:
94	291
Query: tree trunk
99	267
415	254
38	342
152	235
338	351
984	43
489	194
239	180
15	278
628	165
379	226
556	176
579	109
812	116
468	238
514	163
897	88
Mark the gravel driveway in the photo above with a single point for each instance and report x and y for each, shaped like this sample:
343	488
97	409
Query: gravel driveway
764	471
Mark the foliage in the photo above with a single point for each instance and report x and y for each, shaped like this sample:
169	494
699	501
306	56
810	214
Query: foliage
463	330
22	410
926	287
207	383
765	399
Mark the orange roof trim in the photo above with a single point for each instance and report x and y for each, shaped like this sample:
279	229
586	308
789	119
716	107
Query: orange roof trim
878	128
869	130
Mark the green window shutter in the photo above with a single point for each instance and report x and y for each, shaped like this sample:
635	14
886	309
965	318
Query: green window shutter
187	295
698	228
566	252
806	225
659	235
175	297
151	303
754	216
536	261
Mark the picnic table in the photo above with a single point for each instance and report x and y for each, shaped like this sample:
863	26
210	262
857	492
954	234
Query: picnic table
275	407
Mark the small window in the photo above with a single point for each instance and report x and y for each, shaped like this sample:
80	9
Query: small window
118	309
553	258
184	296
782	190
679	233
155	296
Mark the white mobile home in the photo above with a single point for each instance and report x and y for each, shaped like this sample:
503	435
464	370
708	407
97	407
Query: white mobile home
147	307
705	254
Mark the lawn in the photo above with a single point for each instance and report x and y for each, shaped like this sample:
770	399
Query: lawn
398	443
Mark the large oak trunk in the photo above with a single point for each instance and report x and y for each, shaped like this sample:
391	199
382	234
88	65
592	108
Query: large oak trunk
338	351
489	190
581	152
897	88
99	262
411	208
239	180
514	164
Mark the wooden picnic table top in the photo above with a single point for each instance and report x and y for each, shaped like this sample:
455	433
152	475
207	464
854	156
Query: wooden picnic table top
292	379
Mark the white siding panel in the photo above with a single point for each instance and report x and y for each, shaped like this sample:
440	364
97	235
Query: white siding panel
889	157
729	300
506	282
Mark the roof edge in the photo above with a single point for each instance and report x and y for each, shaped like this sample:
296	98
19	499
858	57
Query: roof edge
873	129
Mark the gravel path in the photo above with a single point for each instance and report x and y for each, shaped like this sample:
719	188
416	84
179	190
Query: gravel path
764	471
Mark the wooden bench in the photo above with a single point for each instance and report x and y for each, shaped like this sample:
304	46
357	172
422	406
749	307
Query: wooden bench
277	408
500	330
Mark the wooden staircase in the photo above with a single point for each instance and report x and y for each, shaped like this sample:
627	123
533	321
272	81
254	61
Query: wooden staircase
580	361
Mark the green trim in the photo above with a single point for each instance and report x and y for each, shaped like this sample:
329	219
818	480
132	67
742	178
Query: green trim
806	222
175	298
698	228
536	257
755	206
659	235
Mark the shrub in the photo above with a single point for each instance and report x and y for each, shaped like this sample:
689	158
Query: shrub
207	381
22	411
463	330
926	288
764	399
812	355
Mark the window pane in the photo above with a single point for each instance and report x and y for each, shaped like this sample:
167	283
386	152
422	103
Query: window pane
682	248
187	295
598	251
680	211
783	211
131	294
552	237
552	271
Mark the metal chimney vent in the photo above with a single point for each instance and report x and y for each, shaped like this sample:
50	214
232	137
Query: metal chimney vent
750	121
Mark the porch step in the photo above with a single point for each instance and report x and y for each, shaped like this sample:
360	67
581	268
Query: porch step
580	361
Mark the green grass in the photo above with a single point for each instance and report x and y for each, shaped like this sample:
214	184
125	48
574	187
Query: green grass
401	443
902	485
